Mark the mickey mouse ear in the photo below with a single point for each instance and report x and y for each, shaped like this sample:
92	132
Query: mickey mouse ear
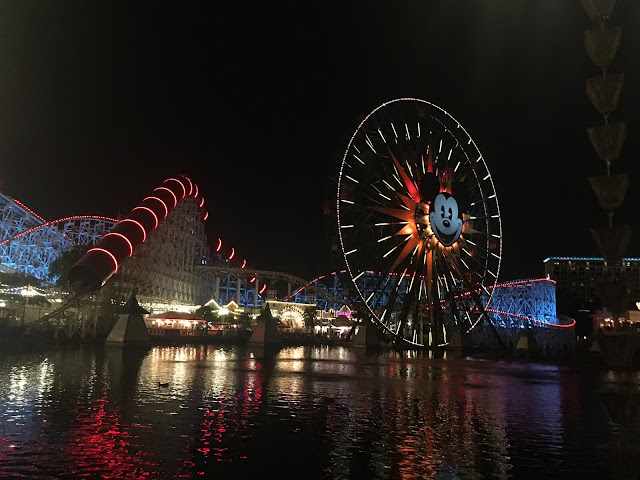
461	195
429	186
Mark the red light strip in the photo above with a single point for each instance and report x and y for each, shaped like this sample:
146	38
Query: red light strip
201	203
166	210
253	279
29	210
184	190
518	283
532	319
96	249
155	217
219	245
175	199
244	264
264	287
233	252
190	185
195	195
144	232
125	238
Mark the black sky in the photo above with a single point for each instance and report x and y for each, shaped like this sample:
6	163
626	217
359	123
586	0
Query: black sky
101	101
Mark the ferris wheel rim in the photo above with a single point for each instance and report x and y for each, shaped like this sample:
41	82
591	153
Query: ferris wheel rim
491	187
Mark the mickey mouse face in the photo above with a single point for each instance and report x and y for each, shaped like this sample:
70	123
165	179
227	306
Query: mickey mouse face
445	220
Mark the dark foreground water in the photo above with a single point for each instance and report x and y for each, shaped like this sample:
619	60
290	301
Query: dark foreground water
307	412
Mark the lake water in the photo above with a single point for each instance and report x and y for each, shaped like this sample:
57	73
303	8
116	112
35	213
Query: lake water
304	412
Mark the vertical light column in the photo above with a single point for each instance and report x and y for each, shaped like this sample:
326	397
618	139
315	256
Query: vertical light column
257	287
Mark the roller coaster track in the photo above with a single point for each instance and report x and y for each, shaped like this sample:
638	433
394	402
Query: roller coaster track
291	279
71	301
55	222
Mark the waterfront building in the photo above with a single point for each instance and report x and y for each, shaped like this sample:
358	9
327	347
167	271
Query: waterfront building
578	277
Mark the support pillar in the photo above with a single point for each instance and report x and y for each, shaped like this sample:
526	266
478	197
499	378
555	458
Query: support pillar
255	296
217	297
266	332
238	286
367	336
130	329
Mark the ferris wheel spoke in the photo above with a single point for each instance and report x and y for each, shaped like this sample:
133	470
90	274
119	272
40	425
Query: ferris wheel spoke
406	308
453	304
468	285
408	183
475	260
452	260
413	242
380	288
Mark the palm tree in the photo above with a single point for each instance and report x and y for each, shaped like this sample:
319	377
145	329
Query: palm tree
310	318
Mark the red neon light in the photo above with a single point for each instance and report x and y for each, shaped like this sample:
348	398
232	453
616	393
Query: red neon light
206	215
201	203
264	287
190	184
175	199
219	245
518	283
184	190
244	263
125	238
533	319
253	279
233	252
166	210
29	210
155	217
195	195
144	232
96	249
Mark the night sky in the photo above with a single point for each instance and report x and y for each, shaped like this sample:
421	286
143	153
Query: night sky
256	101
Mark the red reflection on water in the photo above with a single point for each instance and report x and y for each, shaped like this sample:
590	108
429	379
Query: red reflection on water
225	420
102	445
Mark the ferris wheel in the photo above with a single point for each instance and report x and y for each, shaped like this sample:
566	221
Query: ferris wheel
419	217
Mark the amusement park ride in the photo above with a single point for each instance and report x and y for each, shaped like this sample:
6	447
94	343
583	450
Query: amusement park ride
418	222
416	202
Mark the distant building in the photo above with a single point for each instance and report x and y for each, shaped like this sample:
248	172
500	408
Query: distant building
578	277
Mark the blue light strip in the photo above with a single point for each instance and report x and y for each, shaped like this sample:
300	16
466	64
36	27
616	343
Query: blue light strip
594	259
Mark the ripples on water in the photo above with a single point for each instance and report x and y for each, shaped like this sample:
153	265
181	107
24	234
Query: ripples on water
307	412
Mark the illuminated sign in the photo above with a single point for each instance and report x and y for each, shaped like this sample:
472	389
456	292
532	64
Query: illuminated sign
445	219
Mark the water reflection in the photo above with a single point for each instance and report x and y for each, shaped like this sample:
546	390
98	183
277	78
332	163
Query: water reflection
312	412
